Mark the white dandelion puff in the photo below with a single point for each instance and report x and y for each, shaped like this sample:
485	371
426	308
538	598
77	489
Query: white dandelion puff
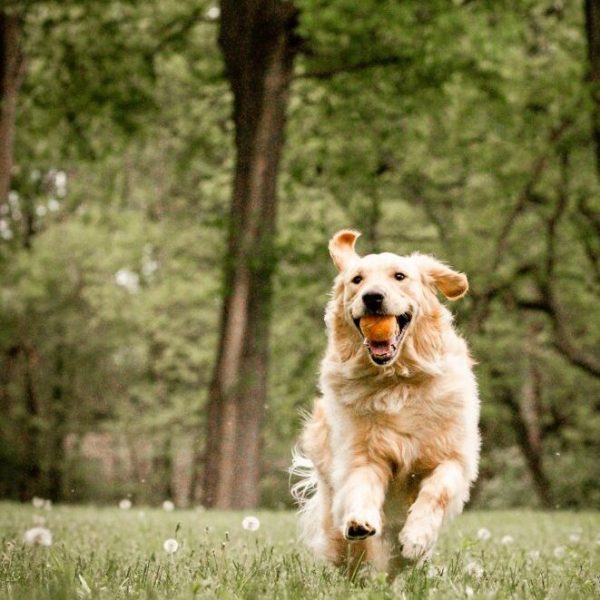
574	538
534	554
125	504
507	539
47	504
171	546
40	210
168	506
37	502
469	592
474	569
53	204
38	536
432	572
559	552
250	523
484	534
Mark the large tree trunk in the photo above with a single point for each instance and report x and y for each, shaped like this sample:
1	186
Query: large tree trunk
11	63
258	43
592	27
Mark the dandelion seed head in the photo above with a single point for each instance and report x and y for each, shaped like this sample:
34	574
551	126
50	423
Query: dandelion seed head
47	504
507	539
484	534
474	569
534	554
171	546
125	504
250	523
38	536
168	506
574	538
469	591
432	572
559	552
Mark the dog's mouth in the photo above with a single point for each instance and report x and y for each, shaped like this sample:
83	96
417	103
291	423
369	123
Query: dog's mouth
383	352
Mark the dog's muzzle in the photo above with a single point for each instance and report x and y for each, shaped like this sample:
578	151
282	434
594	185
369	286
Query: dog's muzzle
383	352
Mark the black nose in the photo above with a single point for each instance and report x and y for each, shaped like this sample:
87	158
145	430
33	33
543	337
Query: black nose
373	300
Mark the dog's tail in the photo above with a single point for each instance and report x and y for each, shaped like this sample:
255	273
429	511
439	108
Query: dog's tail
303	470
307	492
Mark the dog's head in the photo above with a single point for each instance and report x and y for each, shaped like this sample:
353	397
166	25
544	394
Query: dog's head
403	287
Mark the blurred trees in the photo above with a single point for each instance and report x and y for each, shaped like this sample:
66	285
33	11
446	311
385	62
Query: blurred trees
461	129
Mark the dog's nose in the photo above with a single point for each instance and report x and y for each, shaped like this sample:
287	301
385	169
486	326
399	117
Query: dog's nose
373	300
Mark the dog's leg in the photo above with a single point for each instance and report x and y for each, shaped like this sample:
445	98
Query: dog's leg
442	494
358	501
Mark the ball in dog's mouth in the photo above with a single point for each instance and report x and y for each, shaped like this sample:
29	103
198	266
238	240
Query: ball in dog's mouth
382	335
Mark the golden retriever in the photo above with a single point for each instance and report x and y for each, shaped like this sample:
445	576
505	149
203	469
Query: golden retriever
392	445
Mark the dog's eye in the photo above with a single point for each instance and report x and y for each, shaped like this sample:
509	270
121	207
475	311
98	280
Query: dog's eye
357	279
400	276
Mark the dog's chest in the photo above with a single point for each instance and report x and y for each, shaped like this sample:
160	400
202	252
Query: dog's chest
412	433
387	396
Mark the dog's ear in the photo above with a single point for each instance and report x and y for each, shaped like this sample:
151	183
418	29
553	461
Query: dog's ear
341	248
451	283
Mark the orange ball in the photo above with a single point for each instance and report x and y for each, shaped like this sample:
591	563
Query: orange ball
378	328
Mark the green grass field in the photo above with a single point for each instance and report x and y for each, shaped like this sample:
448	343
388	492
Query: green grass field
111	553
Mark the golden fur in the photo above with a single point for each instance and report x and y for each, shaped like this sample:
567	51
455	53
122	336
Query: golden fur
390	451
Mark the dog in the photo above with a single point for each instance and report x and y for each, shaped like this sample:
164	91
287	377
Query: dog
391	448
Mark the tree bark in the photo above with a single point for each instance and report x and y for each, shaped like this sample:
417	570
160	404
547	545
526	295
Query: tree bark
58	410
528	444
11	70
259	45
592	28
530	408
32	471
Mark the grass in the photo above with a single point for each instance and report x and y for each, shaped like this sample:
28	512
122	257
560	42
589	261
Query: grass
111	553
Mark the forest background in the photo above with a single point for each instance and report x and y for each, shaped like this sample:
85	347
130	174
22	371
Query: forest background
155	154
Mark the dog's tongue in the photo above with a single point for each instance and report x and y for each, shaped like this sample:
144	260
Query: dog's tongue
380	348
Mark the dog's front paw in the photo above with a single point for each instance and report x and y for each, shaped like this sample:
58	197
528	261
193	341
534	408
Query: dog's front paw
357	528
419	535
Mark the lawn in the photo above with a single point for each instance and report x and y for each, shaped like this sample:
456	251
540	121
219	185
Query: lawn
112	553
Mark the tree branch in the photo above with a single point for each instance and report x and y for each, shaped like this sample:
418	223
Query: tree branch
564	340
483	300
358	66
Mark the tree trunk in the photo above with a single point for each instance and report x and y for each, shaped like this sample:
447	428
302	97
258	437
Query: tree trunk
592	28
258	44
11	69
57	433
525	424
32	470
530	437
